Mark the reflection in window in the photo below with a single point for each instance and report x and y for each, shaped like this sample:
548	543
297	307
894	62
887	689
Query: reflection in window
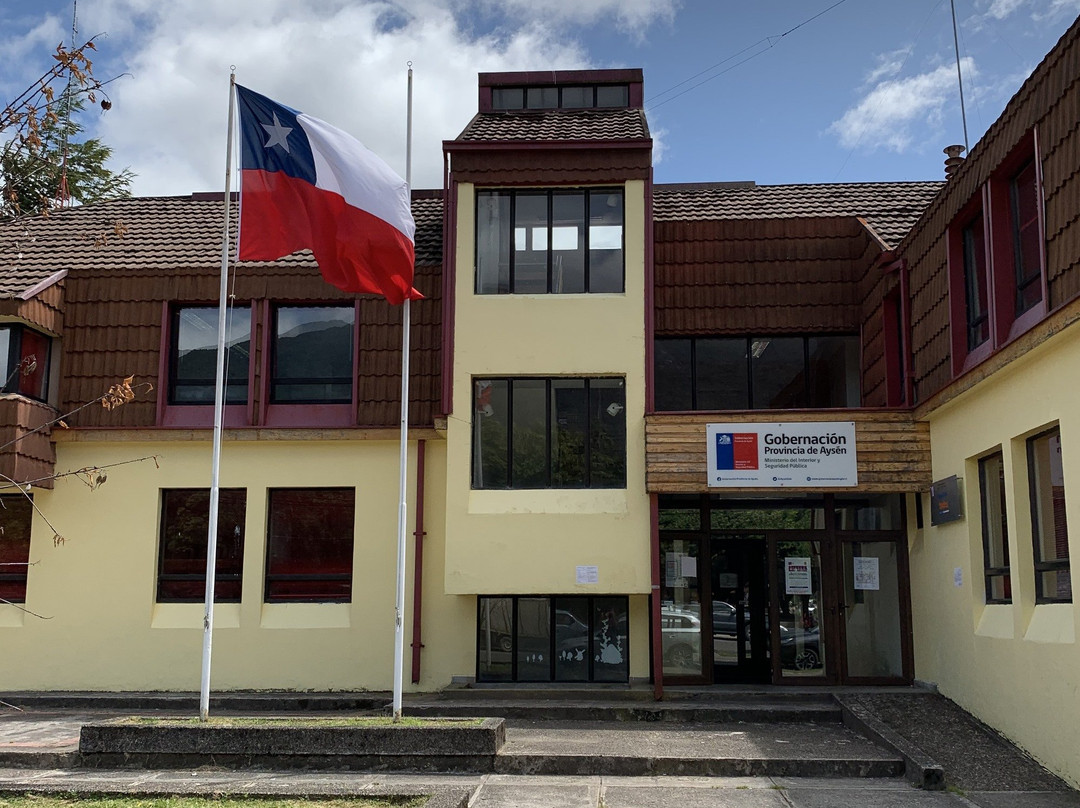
549	241
185	518
995	531
976	283
1027	243
1050	532
193	359
16	516
309	542
312	355
24	360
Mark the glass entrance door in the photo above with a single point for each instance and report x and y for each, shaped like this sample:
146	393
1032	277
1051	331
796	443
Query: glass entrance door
803	611
870	608
740	608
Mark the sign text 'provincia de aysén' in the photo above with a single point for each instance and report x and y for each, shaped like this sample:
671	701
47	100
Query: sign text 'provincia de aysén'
793	455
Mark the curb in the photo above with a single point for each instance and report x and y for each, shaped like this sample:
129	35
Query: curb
919	768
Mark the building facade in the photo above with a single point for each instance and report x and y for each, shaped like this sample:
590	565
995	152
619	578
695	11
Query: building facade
678	434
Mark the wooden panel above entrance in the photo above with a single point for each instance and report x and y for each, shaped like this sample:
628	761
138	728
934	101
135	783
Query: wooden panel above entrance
893	449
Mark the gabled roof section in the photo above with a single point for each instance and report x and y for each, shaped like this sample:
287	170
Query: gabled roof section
889	208
556	125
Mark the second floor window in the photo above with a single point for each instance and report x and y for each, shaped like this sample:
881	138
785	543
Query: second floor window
312	355
976	282
193	355
740	373
1027	238
24	359
549	433
558	241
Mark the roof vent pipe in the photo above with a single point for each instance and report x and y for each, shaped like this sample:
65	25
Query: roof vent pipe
953	161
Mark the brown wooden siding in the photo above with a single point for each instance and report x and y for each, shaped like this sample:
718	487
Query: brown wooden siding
1048	103
540	166
44	310
893	449
33	457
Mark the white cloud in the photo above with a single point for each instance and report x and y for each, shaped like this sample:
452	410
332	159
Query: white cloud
889	64
632	16
1056	10
896	113
1000	9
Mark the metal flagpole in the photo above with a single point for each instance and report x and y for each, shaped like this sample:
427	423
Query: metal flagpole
399	626
219	412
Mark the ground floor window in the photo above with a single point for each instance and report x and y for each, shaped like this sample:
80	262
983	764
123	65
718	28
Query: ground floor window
16	514
309	544
568	638
1049	529
185	519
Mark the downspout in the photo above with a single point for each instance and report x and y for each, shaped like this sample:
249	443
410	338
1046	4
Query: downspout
657	639
418	562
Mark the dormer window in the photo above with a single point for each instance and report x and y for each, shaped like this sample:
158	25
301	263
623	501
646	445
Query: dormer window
579	96
24	357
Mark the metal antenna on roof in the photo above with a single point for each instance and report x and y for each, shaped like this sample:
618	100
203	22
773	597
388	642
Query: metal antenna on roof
62	195
959	77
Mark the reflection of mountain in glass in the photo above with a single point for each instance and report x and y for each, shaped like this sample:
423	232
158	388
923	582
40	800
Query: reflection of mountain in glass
201	363
320	350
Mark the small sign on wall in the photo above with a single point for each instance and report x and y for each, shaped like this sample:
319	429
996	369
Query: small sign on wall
588	574
946	501
804	454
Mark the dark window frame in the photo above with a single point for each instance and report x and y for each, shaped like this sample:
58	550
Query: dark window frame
551	193
196	577
273	377
1041	566
270	578
16	509
991	573
502	100
176	310
14	380
589	470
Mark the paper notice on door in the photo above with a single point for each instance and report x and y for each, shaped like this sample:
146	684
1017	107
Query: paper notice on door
866	572
689	566
797	576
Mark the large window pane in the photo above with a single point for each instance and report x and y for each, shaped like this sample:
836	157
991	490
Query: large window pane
569	433
872	609
605	241
1027	243
612	95
568	243
541	97
673	375
577	97
720	371
491	434
534	640
313	355
834	372
611	640
185	519
869	512
802	646
778	372
310	544
495	640
193	363
571	639
530	451
976	283
33	375
1053	580
492	242
531	243
994	529
607	433
16	516
680	608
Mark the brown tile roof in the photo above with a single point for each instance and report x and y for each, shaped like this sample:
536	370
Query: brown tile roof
555	125
890	208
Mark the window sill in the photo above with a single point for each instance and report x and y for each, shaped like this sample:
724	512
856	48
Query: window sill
550	501
202	415
1051	623
190	615
310	415
996	621
305	615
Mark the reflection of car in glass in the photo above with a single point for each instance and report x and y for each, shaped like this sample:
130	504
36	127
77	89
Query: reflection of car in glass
571	635
800	648
682	638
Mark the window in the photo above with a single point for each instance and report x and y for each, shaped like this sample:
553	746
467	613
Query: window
738	373
995	532
193	354
24	357
549	241
1050	533
549	433
996	258
309	544
185	520
552	639
584	96
312	355
16	515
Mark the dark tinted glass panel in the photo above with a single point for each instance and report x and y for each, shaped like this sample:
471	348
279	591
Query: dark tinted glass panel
869	512
680	518
310	544
834	372
739	517
577	97
605	241
185	520
975	283
534	640
721	373
542	97
1027	245
507	98
313	350
195	336
673	377
1053	580
531	243
16	516
994	529
779	381
491	434
569	433
613	95
492	242
607	433
567	243
34	368
611	646
495	640
571	639
529	434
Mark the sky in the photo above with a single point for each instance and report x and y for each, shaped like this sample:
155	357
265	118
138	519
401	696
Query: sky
774	91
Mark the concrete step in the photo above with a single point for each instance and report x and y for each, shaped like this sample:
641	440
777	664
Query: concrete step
253	702
565	710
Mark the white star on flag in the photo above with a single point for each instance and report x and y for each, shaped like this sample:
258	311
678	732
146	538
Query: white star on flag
278	135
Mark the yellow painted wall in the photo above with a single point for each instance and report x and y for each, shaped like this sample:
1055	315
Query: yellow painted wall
105	632
1015	666
531	542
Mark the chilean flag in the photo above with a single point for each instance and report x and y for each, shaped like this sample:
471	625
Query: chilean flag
305	184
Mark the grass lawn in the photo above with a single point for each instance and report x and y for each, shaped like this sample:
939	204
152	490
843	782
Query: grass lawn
49	801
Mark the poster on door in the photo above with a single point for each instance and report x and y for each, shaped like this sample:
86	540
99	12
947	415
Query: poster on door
866	572
807	454
797	576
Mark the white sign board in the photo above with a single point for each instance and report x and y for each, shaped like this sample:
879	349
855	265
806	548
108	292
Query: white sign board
797	576
866	573
588	575
816	454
